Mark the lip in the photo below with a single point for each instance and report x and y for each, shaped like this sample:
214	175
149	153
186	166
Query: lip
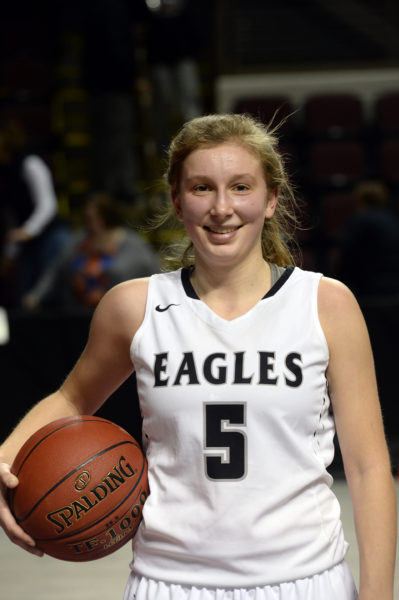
222	230
221	235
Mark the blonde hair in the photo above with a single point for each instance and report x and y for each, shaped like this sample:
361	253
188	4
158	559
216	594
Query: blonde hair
278	232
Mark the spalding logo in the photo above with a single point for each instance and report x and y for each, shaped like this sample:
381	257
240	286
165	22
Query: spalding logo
66	516
82	480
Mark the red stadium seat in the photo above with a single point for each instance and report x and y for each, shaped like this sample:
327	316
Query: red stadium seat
336	208
336	163
333	116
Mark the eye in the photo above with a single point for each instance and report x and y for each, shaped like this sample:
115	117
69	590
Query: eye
201	188
241	187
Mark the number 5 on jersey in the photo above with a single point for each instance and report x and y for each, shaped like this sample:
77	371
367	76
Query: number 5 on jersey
225	445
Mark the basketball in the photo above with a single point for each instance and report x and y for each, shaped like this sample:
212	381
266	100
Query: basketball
82	486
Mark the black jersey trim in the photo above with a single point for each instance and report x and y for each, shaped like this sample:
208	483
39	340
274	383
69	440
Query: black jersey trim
191	293
188	288
280	282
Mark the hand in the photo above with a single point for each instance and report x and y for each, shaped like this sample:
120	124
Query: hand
7	521
19	234
30	302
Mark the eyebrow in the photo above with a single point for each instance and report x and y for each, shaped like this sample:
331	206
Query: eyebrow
204	176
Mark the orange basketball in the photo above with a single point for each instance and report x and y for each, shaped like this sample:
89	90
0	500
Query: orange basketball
82	486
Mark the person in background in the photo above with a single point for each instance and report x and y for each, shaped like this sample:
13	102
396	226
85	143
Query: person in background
33	232
110	76
368	253
173	62
97	257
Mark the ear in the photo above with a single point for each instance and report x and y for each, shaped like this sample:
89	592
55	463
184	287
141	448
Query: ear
271	203
176	204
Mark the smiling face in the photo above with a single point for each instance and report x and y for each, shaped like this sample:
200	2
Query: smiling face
223	200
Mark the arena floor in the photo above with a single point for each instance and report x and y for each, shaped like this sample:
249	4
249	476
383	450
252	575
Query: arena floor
23	576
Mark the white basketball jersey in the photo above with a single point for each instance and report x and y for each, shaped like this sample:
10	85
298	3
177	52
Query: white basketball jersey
238	434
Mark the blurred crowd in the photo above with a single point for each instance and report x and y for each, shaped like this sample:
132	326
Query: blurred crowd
44	260
143	75
48	258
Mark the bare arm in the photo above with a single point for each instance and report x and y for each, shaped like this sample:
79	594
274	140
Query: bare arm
103	366
357	412
39	179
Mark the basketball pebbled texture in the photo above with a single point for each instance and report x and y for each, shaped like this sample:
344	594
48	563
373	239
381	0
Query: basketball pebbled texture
82	486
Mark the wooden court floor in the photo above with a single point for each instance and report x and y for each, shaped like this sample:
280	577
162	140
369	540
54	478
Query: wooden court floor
26	577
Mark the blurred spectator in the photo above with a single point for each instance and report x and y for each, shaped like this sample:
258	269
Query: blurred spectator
110	74
369	251
32	231
97	257
173	47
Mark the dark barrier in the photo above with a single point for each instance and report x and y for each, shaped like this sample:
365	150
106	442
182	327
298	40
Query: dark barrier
382	318
42	349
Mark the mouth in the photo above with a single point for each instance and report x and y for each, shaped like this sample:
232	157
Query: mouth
221	230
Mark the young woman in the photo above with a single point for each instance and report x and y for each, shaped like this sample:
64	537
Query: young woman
239	356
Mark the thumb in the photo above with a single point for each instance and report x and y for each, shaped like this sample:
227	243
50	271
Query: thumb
8	478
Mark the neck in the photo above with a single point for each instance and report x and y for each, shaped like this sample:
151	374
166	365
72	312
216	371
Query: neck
232	292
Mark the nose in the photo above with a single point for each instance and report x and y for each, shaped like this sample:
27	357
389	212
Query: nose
222	205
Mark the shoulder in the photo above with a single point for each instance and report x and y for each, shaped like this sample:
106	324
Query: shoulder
75	238
131	295
130	236
122	308
334	297
339	312
132	239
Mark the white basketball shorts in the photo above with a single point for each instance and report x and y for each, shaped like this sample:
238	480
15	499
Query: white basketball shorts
335	584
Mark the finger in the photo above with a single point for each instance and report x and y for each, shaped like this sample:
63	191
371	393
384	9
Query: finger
11	528
16	534
31	549
6	477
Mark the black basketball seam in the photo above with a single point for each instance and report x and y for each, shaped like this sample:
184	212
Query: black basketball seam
74	422
114	508
71	473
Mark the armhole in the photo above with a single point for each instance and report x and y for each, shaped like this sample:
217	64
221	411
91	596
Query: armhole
315	309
